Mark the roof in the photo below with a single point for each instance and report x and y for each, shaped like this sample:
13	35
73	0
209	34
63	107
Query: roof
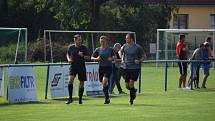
182	2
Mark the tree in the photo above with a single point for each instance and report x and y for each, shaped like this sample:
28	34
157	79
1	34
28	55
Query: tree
136	16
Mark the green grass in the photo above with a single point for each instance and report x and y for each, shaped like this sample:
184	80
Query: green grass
152	104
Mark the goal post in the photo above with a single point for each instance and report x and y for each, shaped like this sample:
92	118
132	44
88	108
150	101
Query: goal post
167	39
48	40
10	36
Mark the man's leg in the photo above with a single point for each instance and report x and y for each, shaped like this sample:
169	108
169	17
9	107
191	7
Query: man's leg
197	77
189	81
81	91
184	80
181	74
180	81
113	86
117	81
132	91
112	81
105	90
184	74
70	88
206	73
127	85
204	81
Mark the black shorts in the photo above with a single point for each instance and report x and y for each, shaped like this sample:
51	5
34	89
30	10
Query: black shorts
131	74
182	67
104	72
80	70
123	73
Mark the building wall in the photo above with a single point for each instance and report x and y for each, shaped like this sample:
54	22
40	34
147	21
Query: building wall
198	16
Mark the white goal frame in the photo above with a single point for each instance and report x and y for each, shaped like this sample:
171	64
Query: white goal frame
181	31
18	40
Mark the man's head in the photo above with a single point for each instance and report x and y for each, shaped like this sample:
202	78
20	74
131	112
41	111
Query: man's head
117	46
208	40
201	46
103	40
77	39
206	44
129	38
182	37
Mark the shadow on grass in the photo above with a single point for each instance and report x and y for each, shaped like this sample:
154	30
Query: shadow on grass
88	97
205	90
111	96
125	105
24	103
74	99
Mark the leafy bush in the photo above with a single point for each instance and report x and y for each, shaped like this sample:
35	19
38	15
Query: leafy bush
36	51
7	53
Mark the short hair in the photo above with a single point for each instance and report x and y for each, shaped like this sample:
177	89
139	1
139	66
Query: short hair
131	35
117	44
77	35
104	37
206	44
181	36
208	39
201	45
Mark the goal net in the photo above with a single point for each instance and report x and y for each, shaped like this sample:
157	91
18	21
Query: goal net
56	42
167	39
13	47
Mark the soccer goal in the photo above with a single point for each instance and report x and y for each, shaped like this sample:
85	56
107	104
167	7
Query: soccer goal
13	47
167	39
57	41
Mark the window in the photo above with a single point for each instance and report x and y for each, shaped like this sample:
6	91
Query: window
180	21
212	21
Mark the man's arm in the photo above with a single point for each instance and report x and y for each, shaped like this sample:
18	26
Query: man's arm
69	58
141	56
95	56
86	55
68	55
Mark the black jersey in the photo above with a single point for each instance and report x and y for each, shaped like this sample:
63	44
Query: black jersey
73	52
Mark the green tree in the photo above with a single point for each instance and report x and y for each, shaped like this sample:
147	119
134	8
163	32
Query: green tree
136	16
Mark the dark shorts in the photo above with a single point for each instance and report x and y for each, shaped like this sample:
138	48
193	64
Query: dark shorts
182	67
80	70
130	74
104	72
206	68
122	73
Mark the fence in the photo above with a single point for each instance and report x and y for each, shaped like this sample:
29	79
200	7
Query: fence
140	80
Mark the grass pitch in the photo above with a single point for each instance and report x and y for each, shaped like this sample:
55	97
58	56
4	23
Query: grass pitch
152	104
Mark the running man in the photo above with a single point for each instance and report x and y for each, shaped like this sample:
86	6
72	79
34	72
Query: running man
104	55
132	56
76	56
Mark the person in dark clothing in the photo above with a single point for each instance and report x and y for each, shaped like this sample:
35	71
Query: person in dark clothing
76	56
132	56
181	52
104	55
206	65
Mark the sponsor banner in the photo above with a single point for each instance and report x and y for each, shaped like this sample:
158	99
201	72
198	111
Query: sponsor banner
1	81
93	86
21	84
58	78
